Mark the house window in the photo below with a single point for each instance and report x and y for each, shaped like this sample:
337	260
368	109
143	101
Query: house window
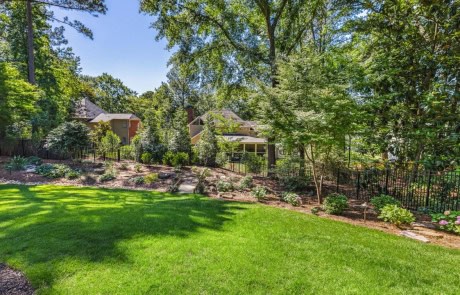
123	140
124	124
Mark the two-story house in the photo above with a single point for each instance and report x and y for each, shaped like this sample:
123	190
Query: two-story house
232	128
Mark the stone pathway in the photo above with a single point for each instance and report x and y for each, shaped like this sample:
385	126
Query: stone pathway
188	185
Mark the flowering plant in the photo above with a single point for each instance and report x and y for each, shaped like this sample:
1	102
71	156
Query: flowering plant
448	221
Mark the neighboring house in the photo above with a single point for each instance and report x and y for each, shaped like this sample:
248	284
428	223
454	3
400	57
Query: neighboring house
123	125
243	132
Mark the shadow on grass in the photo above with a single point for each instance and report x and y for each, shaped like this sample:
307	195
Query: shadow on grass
40	225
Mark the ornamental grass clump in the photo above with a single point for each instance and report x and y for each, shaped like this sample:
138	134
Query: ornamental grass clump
292	198
259	192
396	215
335	204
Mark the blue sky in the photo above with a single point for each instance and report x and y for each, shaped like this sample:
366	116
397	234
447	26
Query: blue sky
124	45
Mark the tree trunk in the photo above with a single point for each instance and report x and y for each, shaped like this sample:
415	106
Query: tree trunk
30	43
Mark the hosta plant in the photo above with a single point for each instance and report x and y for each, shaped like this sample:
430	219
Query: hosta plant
396	215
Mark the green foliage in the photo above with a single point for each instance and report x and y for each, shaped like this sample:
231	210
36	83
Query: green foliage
180	159
288	176
246	182
396	215
168	158
151	178
202	174
34	161
254	163
110	142
207	147
72	174
259	192
224	186
17	163
18	98
335	204
68	137
180	138
127	152
139	180
124	166
99	131
448	221
221	159
108	176
146	158
138	168
292	198
381	201
150	143
136	147
55	171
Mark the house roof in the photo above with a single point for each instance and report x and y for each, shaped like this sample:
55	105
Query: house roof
110	117
226	114
85	109
244	139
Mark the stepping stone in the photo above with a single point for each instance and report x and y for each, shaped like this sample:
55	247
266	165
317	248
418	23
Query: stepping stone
411	235
187	188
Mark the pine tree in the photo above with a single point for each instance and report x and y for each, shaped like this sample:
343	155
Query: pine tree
180	138
207	145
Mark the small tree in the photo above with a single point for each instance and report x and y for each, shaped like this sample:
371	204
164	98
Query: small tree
110	142
150	142
68	137
207	145
180	139
99	131
137	147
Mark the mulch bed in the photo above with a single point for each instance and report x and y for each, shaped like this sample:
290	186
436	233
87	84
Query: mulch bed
13	282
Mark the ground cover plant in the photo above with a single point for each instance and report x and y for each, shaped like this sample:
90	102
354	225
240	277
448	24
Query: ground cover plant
72	240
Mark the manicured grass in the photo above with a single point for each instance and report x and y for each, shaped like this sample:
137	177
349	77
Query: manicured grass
72	240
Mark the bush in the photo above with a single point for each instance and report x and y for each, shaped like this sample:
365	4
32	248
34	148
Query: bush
448	221
224	186
110	142
292	198
335	204
381	201
246	182
168	158
253	162
68	137
54	171
138	180
201	185
44	170
293	183
124	166
150	178
127	152
146	158
396	215
180	159
138	168
107	177
17	163
259	193
287	173
72	174
34	161
221	159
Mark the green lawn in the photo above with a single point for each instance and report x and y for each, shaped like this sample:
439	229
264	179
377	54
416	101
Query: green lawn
71	240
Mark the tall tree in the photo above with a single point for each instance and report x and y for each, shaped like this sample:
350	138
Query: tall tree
91	6
230	42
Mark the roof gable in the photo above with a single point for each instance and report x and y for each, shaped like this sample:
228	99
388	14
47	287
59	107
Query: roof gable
110	117
85	109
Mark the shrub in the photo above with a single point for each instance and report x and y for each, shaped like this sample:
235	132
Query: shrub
124	166
72	174
17	163
138	168
146	158
448	221
207	146
138	180
292	198
180	159
396	215
224	186
150	178
246	182
381	201
335	204
287	173
107	177
55	171
68	137
259	192
127	152
315	210
222	159
293	182
34	161
168	158
253	162
44	170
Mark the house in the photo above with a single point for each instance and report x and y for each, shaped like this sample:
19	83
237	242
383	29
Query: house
125	126
232	128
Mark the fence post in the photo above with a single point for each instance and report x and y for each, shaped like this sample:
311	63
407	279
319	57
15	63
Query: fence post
427	200
94	156
118	155
23	148
103	156
386	180
358	186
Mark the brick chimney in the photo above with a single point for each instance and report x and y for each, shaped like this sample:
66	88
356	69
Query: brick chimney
190	113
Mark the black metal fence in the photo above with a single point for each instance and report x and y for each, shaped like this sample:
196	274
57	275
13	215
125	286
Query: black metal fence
416	189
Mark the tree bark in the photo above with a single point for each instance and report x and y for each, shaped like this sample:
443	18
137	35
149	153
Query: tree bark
30	43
